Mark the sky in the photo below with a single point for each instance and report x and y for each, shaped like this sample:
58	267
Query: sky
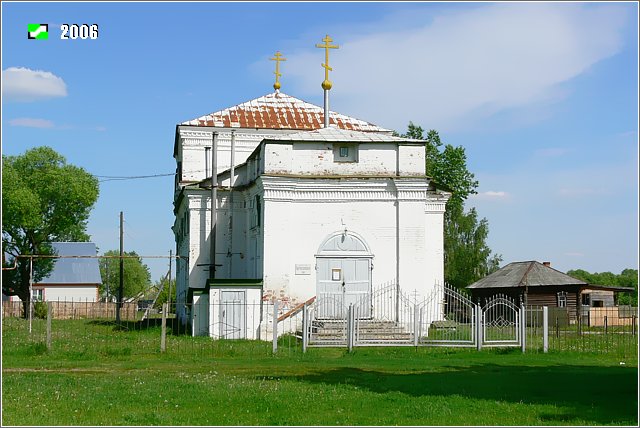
542	96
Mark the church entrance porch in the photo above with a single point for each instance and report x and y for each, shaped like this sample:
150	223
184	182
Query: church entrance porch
343	274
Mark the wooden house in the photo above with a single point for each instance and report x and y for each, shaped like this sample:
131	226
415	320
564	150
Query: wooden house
538	284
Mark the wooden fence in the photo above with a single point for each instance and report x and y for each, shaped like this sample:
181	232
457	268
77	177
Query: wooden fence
611	316
77	310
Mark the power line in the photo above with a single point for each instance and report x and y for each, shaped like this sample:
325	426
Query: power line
130	177
137	177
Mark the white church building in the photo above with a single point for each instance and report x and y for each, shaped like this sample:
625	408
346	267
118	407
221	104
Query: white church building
301	211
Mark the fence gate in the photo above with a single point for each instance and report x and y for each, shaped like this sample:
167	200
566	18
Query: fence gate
447	317
326	322
384	317
501	322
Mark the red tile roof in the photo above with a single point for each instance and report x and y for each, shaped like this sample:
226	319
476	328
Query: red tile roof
280	111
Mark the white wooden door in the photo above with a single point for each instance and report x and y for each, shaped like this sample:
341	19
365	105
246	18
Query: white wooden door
341	282
233	314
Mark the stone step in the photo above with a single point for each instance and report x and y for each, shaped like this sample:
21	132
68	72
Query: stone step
360	330
335	331
368	338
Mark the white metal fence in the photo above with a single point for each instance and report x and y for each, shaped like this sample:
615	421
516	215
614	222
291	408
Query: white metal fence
444	318
387	317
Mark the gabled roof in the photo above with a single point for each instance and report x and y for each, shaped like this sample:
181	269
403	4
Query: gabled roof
74	270
335	134
280	111
521	274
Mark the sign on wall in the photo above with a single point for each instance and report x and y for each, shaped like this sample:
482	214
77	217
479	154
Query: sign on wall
303	269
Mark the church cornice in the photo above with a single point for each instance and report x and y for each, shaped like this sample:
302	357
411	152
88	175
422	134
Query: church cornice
198	135
288	189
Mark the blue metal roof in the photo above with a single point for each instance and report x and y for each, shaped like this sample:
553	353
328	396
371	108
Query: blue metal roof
74	270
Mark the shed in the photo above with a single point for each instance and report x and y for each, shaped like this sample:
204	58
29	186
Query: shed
538	284
75	275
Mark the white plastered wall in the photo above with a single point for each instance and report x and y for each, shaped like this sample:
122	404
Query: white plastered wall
295	228
76	293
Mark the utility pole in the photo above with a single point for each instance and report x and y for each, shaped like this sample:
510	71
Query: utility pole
121	287
169	298
30	292
106	268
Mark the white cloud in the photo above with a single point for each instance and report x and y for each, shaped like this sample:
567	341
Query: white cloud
490	194
463	66
31	122
26	85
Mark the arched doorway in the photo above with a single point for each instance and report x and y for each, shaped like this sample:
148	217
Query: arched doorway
343	273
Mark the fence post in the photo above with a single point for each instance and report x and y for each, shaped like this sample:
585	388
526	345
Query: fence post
49	315
275	326
479	327
545	329
523	328
605	324
633	328
416	325
163	336
305	328
350	328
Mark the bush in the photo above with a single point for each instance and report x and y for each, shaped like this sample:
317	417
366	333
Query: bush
40	310
39	348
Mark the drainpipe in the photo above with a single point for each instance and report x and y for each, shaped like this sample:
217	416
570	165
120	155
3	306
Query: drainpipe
232	181
397	252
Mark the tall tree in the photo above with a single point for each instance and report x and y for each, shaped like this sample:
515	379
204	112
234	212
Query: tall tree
162	286
137	277
44	200
467	256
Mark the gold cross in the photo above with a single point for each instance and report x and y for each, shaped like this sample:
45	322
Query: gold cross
326	85
277	58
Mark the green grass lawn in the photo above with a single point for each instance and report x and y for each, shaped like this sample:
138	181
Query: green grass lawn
111	383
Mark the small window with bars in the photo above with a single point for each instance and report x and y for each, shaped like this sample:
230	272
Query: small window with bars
345	152
562	299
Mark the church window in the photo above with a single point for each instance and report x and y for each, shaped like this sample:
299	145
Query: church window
345	152
207	159
257	212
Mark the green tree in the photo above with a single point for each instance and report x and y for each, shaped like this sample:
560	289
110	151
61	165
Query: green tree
44	200
136	280
467	257
163	286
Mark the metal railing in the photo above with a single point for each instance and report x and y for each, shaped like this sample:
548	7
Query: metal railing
443	318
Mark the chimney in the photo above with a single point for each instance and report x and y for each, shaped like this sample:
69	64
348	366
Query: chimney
547	264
